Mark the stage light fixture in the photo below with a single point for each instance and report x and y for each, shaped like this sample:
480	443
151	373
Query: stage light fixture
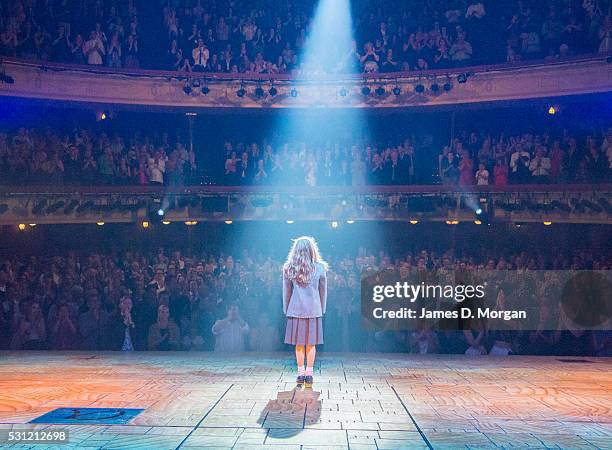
145	224
100	223
32	225
191	223
435	87
166	222
343	92
562	206
334	224
577	205
419	88
83	206
448	86
397	91
205	90
605	204
21	226
380	91
546	207
294	93
592	206
187	89
366	91
478	211
241	92
414	222
272	91
4	78
350	222
229	222
195	201
39	207
259	92
477	222
51	209
547	223
552	110
290	222
160	212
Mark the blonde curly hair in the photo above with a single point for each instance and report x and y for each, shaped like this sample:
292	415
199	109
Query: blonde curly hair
301	261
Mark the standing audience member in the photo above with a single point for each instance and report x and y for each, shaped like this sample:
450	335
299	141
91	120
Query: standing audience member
31	330
241	38
230	332
196	288
164	335
540	167
482	175
94	324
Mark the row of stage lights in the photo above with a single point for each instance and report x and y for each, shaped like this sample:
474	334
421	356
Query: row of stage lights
157	208
144	224
366	90
333	224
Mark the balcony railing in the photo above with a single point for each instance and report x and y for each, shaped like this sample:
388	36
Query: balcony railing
517	203
98	85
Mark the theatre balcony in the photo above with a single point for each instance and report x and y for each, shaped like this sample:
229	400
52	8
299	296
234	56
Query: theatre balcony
411	204
191	91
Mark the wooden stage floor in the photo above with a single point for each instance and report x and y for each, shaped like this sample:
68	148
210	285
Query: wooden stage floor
360	401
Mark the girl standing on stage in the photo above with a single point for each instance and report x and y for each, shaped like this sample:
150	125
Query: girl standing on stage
304	301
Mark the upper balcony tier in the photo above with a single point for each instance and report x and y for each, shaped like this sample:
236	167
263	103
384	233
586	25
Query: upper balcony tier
189	91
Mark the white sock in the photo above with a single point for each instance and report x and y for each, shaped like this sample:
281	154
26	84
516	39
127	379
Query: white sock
308	371
300	371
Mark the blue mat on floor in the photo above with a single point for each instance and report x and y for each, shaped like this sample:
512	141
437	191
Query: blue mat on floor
112	416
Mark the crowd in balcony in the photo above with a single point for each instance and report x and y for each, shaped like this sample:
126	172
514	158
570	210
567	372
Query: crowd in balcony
170	300
44	156
473	158
267	36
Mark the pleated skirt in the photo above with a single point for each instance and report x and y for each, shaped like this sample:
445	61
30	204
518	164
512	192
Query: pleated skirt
304	331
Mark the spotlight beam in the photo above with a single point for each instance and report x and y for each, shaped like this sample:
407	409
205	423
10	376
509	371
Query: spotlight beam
331	37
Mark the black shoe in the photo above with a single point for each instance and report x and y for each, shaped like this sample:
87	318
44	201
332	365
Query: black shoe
308	381
300	381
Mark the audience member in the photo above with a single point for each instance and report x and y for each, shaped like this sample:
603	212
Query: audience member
253	37
40	156
230	332
51	312
164	334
